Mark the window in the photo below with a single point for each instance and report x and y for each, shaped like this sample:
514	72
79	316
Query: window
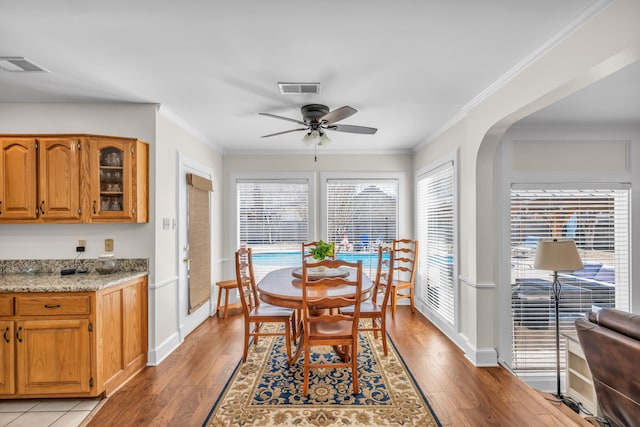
436	214
273	218
361	215
598	221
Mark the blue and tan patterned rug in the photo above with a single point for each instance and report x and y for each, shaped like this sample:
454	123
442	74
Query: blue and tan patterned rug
266	391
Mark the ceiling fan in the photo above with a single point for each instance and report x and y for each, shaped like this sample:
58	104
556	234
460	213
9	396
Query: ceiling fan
316	119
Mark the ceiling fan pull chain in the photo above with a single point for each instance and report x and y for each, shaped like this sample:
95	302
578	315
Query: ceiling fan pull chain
315	153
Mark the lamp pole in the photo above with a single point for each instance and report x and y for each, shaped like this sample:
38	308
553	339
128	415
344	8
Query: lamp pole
557	287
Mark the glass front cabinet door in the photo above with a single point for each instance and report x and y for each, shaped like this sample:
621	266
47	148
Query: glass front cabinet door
111	181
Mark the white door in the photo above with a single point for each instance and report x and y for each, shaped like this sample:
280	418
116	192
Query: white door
188	322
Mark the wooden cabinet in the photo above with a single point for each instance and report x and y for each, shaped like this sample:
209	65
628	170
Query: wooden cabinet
53	357
118	180
73	178
82	344
122	320
18	179
7	374
59	179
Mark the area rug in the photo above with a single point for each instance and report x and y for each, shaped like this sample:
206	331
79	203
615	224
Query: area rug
266	391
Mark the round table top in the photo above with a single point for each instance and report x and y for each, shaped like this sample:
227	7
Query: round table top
280	287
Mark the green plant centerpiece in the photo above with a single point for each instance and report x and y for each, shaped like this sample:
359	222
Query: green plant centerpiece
321	251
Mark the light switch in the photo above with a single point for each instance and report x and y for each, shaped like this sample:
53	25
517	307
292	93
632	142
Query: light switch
165	223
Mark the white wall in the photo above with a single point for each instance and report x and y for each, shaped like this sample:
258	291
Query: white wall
163	309
603	45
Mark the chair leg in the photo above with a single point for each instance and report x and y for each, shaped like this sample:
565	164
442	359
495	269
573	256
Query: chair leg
393	303
218	304
383	332
226	303
247	335
413	307
354	367
287	338
256	332
305	386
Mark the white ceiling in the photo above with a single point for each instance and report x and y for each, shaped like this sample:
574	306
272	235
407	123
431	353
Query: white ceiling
409	66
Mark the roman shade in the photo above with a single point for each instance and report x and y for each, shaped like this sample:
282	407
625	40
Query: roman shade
199	238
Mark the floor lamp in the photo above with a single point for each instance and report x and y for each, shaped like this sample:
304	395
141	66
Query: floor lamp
557	255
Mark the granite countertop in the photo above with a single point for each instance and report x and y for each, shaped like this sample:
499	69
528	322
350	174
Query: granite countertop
50	282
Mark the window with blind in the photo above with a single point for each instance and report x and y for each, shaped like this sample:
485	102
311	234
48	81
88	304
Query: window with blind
436	215
598	221
273	218
362	214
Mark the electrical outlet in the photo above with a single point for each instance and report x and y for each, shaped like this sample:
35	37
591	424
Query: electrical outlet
108	245
82	243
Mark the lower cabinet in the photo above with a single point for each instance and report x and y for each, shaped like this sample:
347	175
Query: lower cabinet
53	357
83	344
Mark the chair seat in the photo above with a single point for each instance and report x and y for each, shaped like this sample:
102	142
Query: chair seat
331	330
398	284
366	308
268	310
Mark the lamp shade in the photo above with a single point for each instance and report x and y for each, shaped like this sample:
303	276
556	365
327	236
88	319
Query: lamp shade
557	255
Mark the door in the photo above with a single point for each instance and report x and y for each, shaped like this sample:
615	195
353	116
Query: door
18	179
53	356
188	321
7	356
59	178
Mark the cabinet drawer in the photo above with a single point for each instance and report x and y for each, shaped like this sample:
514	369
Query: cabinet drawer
6	306
53	305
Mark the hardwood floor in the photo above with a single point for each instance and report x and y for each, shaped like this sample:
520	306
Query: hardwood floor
182	389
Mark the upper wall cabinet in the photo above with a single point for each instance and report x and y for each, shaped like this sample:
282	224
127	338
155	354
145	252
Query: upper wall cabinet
73	179
119	180
18	184
59	179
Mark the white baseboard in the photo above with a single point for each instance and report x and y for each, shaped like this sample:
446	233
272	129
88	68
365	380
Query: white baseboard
167	347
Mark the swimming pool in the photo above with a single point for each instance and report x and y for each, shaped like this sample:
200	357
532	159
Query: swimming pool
263	262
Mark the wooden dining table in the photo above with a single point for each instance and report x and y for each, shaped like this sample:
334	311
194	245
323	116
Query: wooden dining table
282	288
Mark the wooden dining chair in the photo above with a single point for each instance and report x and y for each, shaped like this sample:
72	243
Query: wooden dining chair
371	308
256	312
405	253
324	327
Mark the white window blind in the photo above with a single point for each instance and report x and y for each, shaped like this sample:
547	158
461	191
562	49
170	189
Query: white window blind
598	221
436	215
273	219
361	215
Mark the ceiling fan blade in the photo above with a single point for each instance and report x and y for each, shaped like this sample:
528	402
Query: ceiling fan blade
338	114
353	129
283	118
283	132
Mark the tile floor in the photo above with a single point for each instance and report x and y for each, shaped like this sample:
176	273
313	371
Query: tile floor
46	412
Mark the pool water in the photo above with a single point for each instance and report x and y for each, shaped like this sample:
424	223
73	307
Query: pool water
264	262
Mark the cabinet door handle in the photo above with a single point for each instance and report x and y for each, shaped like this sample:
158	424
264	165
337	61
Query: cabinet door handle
18	334
94	207
6	334
52	306
42	207
0	207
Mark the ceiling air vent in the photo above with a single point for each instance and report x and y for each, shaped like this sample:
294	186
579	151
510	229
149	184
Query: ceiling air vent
19	64
298	88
